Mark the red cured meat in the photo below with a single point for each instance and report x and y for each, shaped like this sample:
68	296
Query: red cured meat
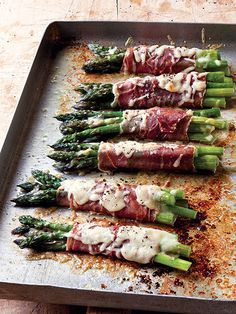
159	124
156	64
133	209
138	93
159	157
74	243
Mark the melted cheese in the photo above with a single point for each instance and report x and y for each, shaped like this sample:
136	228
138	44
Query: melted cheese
116	94
80	190
108	195
113	199
128	148
142	244
134	120
177	161
142	52
92	234
132	243
148	195
186	84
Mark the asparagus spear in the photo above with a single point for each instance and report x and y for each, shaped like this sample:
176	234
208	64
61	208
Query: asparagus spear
72	126
107	64
84	114
35	198
42	181
208	113
55	237
103	51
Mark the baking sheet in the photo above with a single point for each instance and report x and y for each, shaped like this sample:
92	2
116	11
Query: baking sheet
90	280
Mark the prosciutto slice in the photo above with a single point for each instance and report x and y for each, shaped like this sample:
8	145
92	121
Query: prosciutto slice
122	201
158	60
179	90
157	123
146	156
131	243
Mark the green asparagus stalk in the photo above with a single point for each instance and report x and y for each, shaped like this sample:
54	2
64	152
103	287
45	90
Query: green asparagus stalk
84	114
181	211
35	198
220	85
211	65
69	127
95	91
112	129
216	102
215	77
53	236
37	223
220	92
74	146
199	128
102	51
217	123
177	193
42	181
166	218
202	138
173	262
206	162
209	150
107	64
208	113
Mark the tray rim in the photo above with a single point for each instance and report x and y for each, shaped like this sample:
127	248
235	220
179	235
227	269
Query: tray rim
3	154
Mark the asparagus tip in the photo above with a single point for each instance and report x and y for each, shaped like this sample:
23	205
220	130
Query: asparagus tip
19	242
20	230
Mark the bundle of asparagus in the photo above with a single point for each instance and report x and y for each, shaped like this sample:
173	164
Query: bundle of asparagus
167	124
154	60
130	155
151	246
192	90
148	203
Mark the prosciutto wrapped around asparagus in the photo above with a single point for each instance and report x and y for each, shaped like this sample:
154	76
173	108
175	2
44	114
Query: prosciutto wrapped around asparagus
147	203
192	90
158	124
153	60
130	243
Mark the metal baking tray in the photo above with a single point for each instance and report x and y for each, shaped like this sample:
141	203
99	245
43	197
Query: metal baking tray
95	281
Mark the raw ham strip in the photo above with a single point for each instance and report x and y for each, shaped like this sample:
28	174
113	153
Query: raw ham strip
122	201
157	123
159	60
177	90
145	156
